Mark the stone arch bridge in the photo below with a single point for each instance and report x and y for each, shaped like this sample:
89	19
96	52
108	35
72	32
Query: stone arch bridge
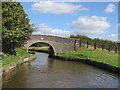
57	44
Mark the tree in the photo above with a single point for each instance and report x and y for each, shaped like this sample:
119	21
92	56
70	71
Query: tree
15	26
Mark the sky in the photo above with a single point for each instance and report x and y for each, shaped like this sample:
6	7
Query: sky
92	19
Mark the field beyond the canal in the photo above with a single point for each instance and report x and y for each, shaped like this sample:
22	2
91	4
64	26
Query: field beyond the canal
110	58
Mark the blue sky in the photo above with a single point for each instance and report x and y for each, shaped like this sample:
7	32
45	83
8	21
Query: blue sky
93	19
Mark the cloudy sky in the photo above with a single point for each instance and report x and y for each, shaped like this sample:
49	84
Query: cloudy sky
93	19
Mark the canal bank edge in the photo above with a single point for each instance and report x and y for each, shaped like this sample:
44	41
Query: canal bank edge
10	67
87	61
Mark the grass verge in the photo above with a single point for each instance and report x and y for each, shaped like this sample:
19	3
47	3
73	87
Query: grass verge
44	48
105	57
13	59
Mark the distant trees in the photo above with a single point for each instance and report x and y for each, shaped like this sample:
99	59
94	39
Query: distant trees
84	38
15	26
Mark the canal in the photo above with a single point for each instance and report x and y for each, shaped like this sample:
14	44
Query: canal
45	72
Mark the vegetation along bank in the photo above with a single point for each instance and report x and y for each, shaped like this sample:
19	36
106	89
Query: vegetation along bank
15	32
11	61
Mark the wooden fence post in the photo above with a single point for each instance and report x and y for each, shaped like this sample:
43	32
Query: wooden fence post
87	45
109	48
102	47
80	43
116	49
75	45
94	45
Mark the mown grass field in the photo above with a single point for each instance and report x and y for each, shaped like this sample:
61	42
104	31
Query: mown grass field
106	57
12	59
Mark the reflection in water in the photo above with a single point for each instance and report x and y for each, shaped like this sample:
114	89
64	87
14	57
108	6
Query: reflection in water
46	72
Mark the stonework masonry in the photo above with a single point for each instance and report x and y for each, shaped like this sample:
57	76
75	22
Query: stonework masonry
58	44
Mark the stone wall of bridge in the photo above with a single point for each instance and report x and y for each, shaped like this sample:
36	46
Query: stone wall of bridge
58	44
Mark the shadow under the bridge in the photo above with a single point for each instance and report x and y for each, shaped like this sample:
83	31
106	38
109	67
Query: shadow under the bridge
41	47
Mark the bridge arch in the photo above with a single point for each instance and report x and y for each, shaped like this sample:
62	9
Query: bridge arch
58	44
52	48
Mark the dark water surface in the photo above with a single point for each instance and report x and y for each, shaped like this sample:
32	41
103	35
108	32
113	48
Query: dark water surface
46	72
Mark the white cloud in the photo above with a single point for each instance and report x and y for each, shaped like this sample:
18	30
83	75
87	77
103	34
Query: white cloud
89	25
56	7
70	0
44	29
113	37
110	8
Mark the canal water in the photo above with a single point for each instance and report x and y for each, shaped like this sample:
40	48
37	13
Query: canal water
45	72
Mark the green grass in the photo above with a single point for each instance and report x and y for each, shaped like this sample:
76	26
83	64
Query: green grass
106	57
12	59
44	48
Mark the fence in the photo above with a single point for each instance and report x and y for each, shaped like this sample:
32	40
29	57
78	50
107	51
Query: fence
101	46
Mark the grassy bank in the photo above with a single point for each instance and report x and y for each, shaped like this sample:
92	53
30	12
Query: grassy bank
12	59
44	48
109	58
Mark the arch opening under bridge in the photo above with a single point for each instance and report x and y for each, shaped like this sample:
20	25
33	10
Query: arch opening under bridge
57	44
49	48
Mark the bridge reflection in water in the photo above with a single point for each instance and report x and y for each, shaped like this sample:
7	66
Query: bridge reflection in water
46	72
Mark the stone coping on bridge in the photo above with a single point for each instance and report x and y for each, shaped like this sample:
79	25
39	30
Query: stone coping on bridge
54	36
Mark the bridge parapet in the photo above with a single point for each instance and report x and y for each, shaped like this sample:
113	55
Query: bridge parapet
53	38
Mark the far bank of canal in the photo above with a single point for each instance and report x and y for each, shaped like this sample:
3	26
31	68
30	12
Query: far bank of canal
46	72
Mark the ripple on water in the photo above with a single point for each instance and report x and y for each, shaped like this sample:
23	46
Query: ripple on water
46	72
